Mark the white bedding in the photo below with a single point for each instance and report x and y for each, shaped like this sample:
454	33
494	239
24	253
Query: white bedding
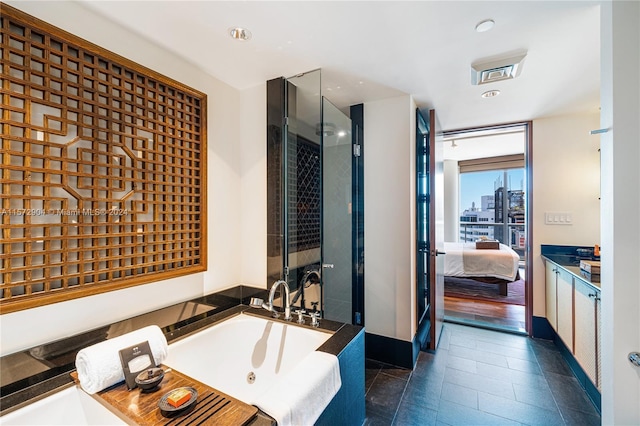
464	260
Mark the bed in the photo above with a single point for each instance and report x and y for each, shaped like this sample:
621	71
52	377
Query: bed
498	266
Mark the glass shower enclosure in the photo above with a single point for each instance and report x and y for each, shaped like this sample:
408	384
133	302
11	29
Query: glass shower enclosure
309	152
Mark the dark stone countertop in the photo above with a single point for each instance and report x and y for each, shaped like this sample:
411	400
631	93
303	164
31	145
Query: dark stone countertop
573	267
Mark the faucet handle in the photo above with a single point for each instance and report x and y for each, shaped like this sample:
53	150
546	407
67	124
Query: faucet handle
300	313
315	319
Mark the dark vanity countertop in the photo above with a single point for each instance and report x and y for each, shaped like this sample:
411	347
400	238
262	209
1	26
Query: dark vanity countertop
33	373
573	268
569	257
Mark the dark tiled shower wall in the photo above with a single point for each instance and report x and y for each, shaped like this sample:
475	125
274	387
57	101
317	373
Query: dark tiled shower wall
274	181
304	190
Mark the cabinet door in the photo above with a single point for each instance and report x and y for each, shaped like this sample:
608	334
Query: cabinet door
586	329
598	343
565	308
551	294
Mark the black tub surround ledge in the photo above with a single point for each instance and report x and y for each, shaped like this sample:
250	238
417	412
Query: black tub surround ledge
35	373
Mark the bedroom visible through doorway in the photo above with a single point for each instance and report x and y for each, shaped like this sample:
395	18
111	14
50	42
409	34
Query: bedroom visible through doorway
485	173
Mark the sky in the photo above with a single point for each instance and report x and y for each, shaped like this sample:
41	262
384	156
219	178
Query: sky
474	185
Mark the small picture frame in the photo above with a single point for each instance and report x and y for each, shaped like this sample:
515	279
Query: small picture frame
135	359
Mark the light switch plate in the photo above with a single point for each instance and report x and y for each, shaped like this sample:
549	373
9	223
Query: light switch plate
558	218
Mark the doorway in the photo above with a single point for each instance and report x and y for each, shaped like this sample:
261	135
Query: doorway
487	193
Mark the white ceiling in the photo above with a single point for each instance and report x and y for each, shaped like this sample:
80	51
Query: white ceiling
376	49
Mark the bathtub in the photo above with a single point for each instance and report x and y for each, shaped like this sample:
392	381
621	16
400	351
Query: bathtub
244	356
70	406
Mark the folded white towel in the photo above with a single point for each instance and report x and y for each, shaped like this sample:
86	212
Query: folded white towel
99	365
300	397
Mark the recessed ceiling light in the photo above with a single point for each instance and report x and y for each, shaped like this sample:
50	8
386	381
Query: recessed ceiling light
241	34
342	133
485	25
490	94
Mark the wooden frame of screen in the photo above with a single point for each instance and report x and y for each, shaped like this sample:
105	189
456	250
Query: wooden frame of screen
121	202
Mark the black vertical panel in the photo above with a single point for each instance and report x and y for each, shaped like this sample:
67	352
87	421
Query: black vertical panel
422	225
275	178
357	130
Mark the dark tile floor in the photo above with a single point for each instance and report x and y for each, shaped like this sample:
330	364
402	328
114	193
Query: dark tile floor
479	377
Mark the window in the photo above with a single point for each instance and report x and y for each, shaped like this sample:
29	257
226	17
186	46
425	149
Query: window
493	196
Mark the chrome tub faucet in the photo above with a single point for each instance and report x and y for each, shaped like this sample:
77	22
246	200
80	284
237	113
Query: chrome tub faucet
257	303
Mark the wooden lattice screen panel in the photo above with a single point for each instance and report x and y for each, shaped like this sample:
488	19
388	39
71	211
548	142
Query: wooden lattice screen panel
103	169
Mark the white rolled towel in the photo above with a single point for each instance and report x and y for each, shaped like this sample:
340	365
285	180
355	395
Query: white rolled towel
99	365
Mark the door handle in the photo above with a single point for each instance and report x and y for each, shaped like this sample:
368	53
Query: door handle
327	265
437	252
634	358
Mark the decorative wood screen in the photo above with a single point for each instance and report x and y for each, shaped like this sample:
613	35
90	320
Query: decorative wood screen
103	169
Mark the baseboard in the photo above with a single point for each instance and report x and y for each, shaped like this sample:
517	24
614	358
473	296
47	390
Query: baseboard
542	329
389	350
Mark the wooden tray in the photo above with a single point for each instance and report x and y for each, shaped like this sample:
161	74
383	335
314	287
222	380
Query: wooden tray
212	408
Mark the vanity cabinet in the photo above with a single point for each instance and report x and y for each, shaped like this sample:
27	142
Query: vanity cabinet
573	310
552	295
587	333
565	314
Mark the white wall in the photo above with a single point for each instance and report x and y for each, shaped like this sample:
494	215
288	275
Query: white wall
451	200
389	204
253	186
620	102
566	178
28	328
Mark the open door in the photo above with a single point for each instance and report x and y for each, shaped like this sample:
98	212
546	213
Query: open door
436	229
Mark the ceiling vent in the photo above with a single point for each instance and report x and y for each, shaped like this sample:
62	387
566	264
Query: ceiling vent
490	71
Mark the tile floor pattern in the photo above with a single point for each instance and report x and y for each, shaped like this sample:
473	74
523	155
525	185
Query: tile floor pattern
479	377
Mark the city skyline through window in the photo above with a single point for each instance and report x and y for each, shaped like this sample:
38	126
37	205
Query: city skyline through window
484	202
474	185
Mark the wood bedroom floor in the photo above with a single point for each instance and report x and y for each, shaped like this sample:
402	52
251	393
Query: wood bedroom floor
484	313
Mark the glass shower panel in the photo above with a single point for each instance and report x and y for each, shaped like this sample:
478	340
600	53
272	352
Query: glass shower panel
303	189
337	153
